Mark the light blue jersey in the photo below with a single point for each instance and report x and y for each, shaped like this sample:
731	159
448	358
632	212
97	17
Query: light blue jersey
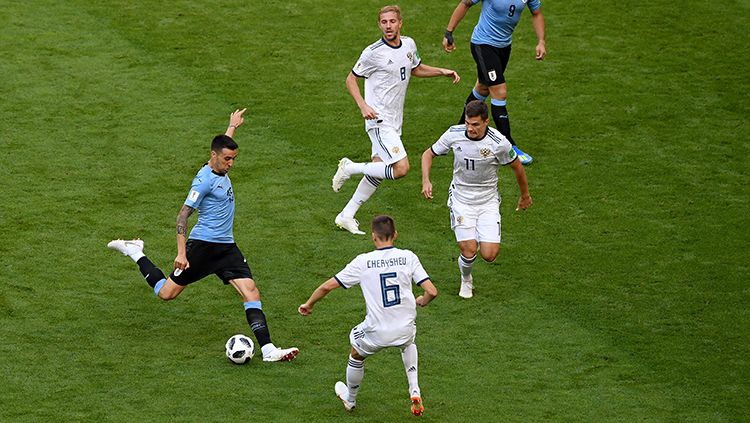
211	194
498	20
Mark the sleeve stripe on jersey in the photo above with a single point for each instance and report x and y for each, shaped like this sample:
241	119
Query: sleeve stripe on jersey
356	74
494	137
342	285
379	43
425	279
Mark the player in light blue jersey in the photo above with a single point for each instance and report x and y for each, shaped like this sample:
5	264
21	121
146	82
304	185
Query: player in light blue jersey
490	47
210	249
385	276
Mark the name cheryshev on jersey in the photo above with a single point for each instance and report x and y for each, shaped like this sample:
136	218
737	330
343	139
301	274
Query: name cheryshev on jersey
393	261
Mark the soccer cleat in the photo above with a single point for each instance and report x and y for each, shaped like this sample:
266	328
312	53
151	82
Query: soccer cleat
348	223
467	288
525	158
127	248
416	406
342	392
281	354
340	176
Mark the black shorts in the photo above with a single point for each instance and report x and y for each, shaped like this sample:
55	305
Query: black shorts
224	260
491	63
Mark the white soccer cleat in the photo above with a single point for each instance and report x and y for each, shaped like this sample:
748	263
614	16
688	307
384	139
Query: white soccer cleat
348	223
340	176
282	354
127	247
343	393
467	288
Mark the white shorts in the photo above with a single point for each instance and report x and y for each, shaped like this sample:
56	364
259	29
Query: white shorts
386	144
366	346
481	222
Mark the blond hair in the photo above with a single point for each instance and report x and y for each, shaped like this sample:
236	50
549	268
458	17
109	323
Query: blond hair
395	9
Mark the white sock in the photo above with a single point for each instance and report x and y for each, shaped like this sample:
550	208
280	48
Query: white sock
409	357
355	371
364	191
378	170
465	265
137	256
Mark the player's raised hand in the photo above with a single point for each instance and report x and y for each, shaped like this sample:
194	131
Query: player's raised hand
236	119
304	309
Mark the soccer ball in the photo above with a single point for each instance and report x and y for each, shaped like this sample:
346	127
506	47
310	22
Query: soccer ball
240	349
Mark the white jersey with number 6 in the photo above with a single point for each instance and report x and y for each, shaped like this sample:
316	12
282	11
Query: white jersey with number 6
386	276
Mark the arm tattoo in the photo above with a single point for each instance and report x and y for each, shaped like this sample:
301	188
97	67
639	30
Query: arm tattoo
467	3
182	217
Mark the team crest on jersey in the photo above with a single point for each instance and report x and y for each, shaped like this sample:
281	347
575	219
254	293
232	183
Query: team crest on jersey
410	56
485	152
492	75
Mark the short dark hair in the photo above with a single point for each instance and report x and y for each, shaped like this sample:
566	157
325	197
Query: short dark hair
384	227
223	141
476	108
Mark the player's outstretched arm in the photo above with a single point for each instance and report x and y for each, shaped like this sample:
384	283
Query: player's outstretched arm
425	71
525	201
456	17
235	120
320	292
430	292
427	157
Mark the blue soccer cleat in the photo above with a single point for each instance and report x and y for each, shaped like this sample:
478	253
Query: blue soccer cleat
525	158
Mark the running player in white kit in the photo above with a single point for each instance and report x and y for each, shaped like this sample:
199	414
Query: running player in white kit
386	66
473	197
386	276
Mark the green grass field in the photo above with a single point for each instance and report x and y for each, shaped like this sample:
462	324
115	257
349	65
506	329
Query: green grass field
620	296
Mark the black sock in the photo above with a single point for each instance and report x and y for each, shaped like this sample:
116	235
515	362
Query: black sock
151	273
257	321
469	99
500	116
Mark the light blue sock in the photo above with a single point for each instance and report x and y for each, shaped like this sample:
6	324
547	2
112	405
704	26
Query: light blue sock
252	304
158	286
498	102
477	95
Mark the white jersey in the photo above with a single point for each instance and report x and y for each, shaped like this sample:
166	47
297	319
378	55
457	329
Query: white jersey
387	71
475	163
386	277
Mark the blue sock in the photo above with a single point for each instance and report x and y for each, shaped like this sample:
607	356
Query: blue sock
158	285
252	304
498	102
477	95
